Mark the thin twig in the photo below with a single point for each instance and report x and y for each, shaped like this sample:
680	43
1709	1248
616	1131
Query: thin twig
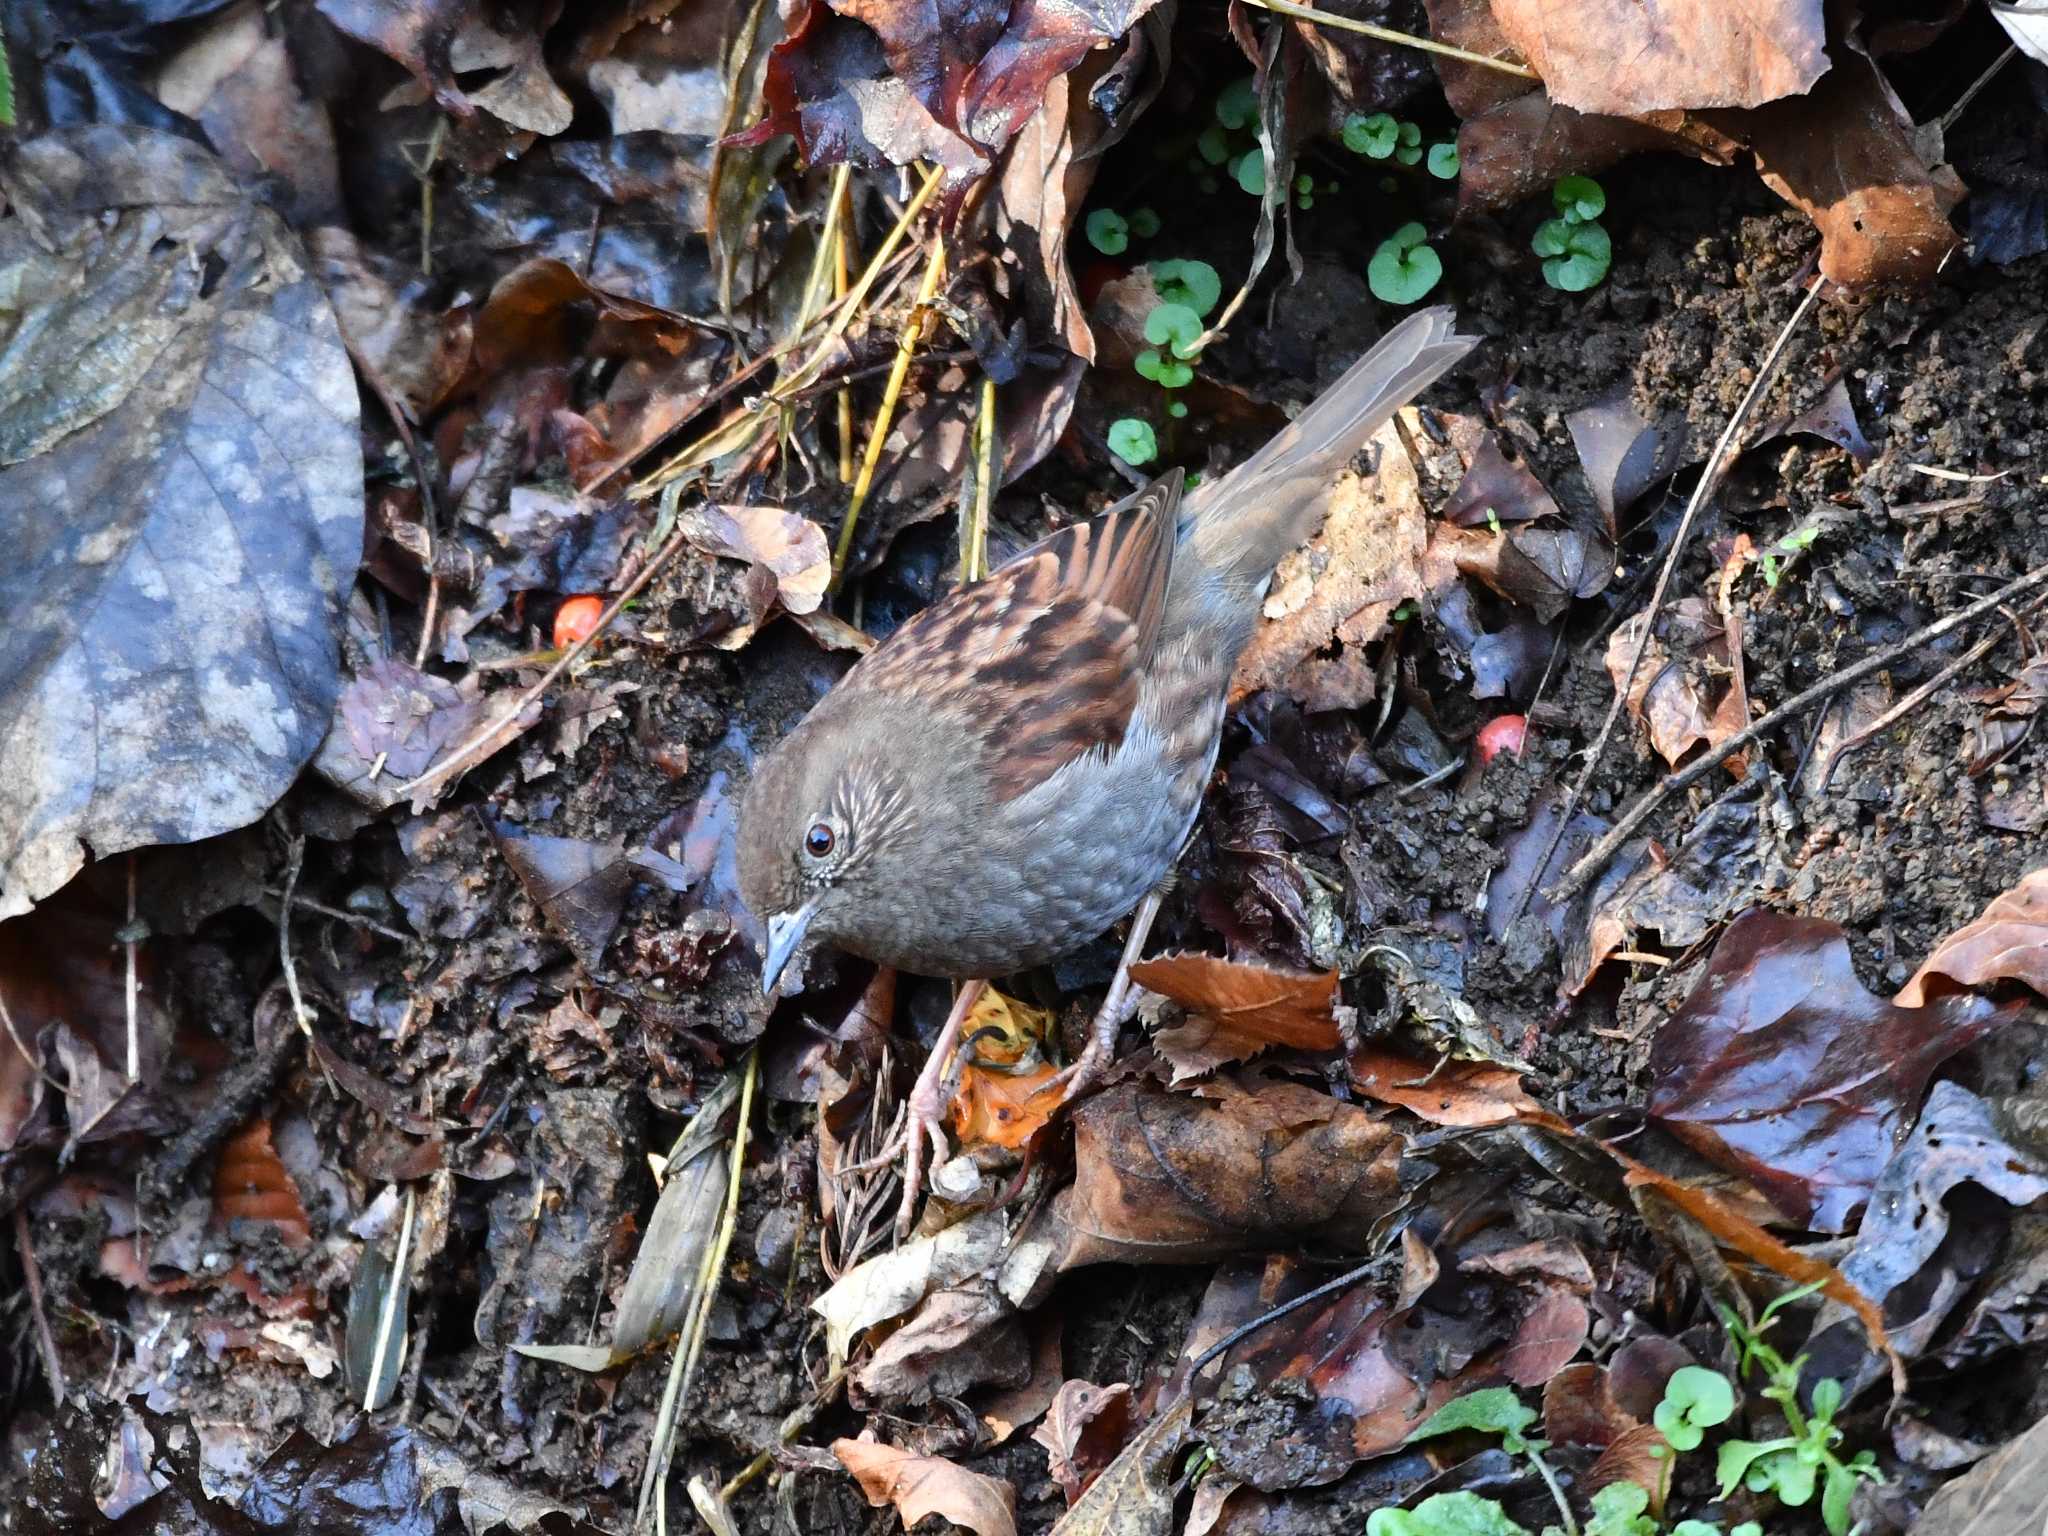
1948	118
134	1001
792	1426
32	1274
1389	35
1710	475
1576	877
355	919
842	262
455	762
295	853
974	543
906	348
387	1310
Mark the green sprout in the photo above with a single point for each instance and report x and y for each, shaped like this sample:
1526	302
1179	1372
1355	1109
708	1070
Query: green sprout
1131	440
1192	283
1176	326
1213	145
1375	137
1250	171
1445	1514
1621	1509
1239	103
1108	232
1695	1400
1795	1463
1166	372
1176	409
1409	150
1144	223
1578	199
1575	256
1494	1411
1443	161
1404	268
1791	544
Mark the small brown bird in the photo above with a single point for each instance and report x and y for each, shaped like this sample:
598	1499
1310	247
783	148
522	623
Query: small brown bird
1018	766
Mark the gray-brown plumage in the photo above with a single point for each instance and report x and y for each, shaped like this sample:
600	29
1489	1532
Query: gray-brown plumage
1015	767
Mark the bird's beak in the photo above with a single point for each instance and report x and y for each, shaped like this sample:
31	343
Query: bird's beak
785	934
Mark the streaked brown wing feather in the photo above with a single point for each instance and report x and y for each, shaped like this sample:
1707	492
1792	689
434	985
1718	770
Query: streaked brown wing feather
1048	651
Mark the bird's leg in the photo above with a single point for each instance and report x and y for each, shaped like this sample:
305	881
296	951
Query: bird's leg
928	1102
1116	1008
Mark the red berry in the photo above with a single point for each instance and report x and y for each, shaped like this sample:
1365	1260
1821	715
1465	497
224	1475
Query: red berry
575	619
1503	733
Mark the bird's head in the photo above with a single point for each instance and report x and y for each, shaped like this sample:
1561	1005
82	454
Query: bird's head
823	834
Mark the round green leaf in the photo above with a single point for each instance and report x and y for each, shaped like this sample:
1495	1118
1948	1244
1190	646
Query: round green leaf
1144	223
1250	172
1443	161
1132	441
1166	372
1174	325
1579	198
1193	283
1239	103
1582	258
1403	269
1108	232
1703	1396
1374	136
1409	154
1176	409
1212	145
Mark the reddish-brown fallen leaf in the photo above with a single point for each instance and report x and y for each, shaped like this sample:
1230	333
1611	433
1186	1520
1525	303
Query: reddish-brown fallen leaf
1641	1455
1623	57
1462	1093
2007	941
1174	1179
998	1102
928	1485
1844	156
1551	1333
1681	694
1579	1409
1497	489
1521	147
1240	1009
1083	1430
250	1185
1783	1068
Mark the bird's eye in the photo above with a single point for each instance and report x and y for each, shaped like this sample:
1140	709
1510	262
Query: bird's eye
820	840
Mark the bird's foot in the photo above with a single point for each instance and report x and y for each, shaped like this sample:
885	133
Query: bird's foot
927	1107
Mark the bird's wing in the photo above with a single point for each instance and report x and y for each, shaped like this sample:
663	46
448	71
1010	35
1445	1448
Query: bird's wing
1044	657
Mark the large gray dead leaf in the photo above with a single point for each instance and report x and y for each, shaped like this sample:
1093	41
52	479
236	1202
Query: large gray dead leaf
2004	1496
181	501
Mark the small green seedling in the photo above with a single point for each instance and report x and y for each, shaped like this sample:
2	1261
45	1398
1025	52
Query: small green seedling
1494	1411
1144	223
1376	137
1213	145
1575	256
1795	1463
1695	1400
1250	171
1192	283
1175	326
1445	1514
1578	199
1443	161
1166	372
1622	1509
1108	232
1793	543
1408	148
1177	409
1239	103
1404	268
1132	440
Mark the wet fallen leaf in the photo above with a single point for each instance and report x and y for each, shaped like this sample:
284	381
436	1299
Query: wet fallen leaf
1134	1494
960	1339
1011	1409
580	887
1084	1429
1612	56
891	1283
1167	1179
1622	453
2007	941
1845	156
1781	1066
1239	1010
169	663
929	1485
1497	489
1541	568
418	34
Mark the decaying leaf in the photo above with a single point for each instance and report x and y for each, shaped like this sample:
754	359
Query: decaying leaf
1781	1066
1084	1428
1520	147
252	1188
891	1283
1238	1009
998	1102
2007	941
2004	1495
170	658
790	548
1613	56
1683	694
1466	1093
929	1485
1134	1494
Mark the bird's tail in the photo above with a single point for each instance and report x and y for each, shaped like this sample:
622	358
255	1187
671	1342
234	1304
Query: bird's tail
1244	523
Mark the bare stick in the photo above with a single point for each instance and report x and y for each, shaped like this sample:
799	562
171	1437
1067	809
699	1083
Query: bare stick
46	1342
1710	476
1576	877
1389	35
134	1010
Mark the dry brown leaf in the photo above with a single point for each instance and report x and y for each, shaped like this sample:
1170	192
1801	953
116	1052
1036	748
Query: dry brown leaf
1083	1430
792	548
1845	157
250	1185
1640	1455
1460	1093
1519	147
1239	1009
1334	597
1009	1410
2007	941
1134	1496
2004	1495
1625	57
1473	88
929	1485
1672	697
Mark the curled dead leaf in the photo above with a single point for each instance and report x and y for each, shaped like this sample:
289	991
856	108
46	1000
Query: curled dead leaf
2007	941
929	1485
